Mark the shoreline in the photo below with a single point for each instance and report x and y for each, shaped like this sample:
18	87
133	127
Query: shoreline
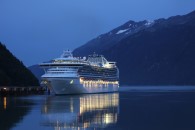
21	91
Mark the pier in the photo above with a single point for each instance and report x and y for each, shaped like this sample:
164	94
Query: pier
20	91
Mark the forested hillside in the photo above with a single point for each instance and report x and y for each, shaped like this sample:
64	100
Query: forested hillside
13	72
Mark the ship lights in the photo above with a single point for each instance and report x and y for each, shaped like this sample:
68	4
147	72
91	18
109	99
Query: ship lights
97	83
108	66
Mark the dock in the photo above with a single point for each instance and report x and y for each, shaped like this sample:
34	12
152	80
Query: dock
20	91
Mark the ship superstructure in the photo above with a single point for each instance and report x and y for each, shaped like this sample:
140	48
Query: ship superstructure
74	75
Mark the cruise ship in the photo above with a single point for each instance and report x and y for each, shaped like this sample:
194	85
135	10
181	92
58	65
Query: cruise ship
76	75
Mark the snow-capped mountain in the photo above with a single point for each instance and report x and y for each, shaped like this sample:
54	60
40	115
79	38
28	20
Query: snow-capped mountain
109	39
159	52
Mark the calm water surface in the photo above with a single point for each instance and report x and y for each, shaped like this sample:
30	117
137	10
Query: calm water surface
135	108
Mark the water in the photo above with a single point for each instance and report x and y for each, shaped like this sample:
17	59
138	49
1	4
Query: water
133	108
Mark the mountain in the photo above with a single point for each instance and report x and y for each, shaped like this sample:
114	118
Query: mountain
105	41
150	53
37	71
13	72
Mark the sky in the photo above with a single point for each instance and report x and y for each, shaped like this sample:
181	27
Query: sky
39	30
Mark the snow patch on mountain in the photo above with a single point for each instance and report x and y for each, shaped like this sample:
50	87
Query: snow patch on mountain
149	22
122	31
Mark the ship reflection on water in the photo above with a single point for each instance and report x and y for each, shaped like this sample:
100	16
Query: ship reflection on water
81	111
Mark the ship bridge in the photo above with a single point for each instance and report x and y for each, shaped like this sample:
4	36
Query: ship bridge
100	60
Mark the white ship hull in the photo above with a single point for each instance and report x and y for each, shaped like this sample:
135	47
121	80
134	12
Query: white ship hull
75	86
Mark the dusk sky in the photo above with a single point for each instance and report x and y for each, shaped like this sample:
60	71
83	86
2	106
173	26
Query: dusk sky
39	30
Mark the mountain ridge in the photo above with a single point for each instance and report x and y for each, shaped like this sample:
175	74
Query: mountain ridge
111	38
154	55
